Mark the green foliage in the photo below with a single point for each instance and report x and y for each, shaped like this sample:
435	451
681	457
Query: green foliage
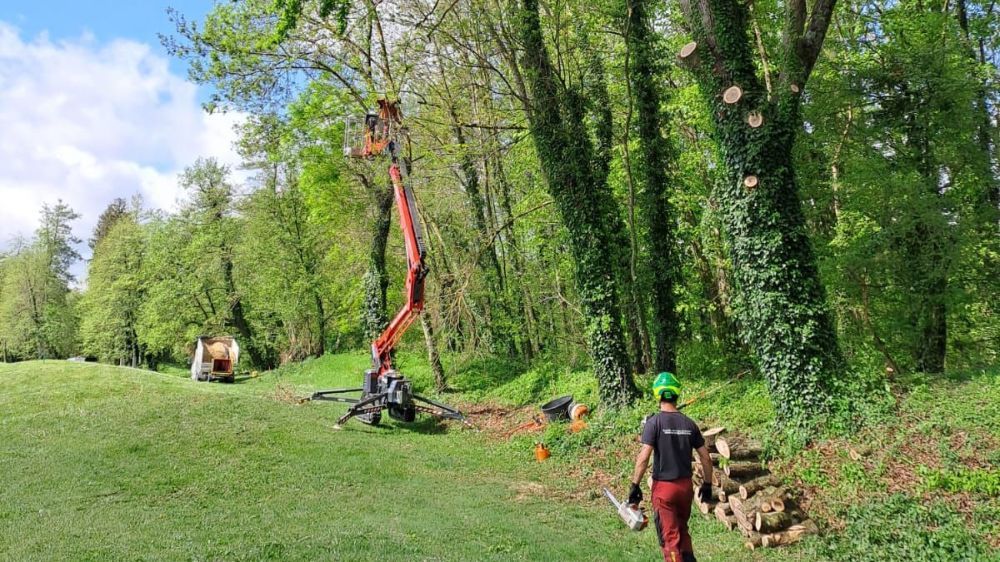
116	291
961	479
902	529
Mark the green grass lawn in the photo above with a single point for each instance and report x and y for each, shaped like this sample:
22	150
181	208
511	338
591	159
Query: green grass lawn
107	463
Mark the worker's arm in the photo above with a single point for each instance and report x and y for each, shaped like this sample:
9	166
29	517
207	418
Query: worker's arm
706	469
641	463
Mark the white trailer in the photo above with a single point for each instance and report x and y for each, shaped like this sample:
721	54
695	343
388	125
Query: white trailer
215	358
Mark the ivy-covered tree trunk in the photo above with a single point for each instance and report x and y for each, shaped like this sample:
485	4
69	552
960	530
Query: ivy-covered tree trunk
624	258
376	280
780	302
566	154
658	157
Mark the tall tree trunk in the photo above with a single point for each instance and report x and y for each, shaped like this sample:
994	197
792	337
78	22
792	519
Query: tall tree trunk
433	357
320	322
626	252
238	316
521	292
658	156
376	281
565	151
781	305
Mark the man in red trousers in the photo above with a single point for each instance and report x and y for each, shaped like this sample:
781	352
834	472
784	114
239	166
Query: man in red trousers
670	437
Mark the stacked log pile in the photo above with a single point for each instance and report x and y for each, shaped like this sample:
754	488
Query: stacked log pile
746	497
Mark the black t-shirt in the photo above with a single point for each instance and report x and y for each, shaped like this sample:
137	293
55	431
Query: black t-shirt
673	436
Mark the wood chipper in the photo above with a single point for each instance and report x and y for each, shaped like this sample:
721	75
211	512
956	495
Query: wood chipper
215	359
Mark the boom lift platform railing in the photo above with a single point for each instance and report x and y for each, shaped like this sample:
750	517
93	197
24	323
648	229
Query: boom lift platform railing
384	388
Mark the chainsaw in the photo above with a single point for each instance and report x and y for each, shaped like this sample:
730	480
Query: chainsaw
633	516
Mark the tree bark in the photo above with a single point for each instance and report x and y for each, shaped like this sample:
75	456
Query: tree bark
433	357
781	306
736	448
658	157
565	152
376	281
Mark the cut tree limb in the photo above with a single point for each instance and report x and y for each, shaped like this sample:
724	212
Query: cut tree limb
732	94
689	55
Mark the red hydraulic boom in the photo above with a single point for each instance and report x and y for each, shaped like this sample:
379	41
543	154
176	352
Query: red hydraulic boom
383	387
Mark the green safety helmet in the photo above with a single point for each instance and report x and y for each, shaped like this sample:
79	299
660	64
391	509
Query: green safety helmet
666	386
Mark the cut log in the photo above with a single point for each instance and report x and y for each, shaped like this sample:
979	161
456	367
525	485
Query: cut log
792	535
689	54
738	449
758	484
730	522
728	485
755	119
772	522
744	470
754	541
722	510
712	435
720	494
774	499
705	507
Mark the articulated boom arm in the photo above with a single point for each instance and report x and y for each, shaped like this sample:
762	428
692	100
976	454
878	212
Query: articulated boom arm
383	388
416	271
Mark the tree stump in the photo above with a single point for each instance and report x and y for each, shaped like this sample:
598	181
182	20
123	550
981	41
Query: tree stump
755	119
750	182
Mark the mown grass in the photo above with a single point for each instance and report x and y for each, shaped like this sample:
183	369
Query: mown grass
107	463
103	463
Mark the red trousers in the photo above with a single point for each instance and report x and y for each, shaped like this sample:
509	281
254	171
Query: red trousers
671	511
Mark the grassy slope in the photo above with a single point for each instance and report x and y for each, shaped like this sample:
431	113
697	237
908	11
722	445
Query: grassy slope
102	463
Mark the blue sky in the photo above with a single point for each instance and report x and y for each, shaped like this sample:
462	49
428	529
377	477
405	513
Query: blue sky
139	20
92	108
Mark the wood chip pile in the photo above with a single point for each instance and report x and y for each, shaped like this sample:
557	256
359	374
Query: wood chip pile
746	497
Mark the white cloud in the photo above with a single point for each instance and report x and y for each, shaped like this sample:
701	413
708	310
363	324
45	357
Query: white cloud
88	122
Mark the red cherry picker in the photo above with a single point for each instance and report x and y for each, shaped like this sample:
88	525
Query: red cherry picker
384	388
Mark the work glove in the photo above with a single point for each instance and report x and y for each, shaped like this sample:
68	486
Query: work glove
635	495
705	492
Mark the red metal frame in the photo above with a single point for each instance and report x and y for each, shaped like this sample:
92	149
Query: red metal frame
416	272
381	136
